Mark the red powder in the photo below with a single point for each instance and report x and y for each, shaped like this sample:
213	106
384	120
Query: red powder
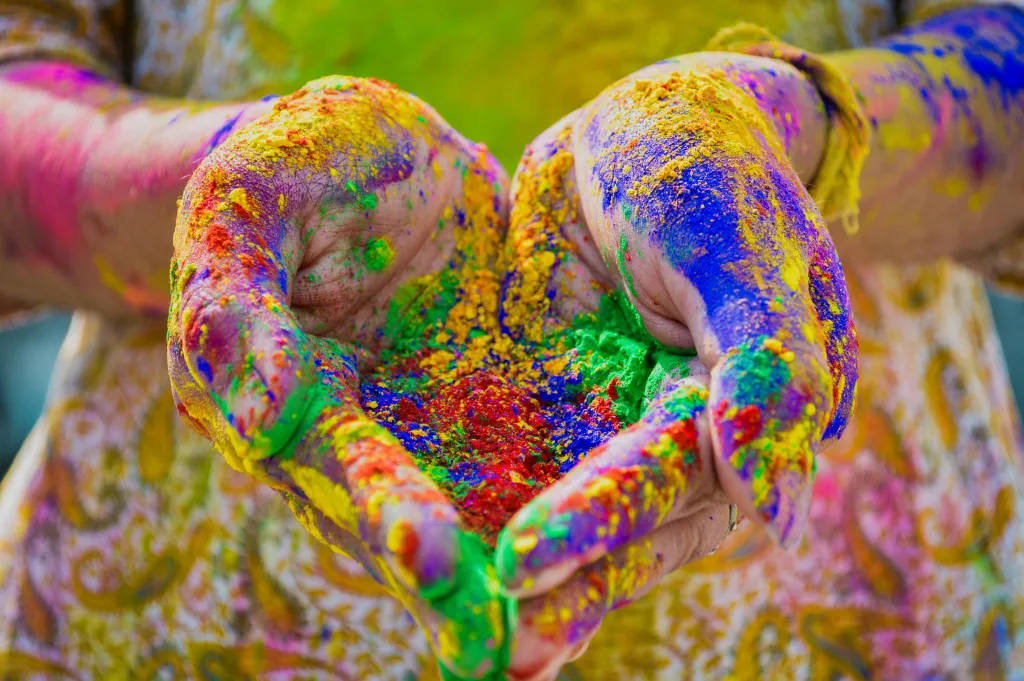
747	423
218	240
494	431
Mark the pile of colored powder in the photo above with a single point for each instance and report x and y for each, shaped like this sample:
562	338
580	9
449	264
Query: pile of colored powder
494	395
523	414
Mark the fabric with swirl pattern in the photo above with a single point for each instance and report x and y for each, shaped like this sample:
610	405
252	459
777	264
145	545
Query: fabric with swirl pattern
129	550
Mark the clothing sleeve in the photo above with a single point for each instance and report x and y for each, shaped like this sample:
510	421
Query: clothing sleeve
89	33
1002	264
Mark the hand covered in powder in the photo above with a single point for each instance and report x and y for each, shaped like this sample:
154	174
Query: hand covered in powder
292	238
671	195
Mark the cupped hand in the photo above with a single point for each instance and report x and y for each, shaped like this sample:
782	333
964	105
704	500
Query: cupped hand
292	238
673	194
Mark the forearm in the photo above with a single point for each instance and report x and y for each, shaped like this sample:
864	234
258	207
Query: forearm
89	178
945	173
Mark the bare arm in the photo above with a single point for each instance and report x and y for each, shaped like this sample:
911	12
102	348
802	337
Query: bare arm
89	179
944	176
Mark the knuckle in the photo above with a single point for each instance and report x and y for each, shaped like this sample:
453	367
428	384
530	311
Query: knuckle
203	315
708	540
704	548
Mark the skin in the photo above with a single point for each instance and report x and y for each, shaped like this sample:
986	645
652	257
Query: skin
945	104
776	334
119	160
941	192
944	99
274	317
279	299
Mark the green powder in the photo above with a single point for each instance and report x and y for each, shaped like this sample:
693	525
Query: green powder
378	254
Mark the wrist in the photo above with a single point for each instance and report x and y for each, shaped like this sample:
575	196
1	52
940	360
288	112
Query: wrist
835	187
790	101
787	97
130	188
943	176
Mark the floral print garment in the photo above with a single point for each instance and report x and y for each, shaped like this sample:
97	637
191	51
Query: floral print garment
129	550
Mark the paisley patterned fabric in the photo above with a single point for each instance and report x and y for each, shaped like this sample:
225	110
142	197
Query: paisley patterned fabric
129	550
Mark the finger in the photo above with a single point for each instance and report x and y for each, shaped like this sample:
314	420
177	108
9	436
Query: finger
354	472
469	627
553	625
557	625
644	477
688	166
778	397
831	300
778	389
542	237
457	622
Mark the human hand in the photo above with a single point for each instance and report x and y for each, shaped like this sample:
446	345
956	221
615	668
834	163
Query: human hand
292	239
673	191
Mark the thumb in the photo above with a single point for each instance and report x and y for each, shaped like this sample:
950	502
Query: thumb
237	353
783	373
769	399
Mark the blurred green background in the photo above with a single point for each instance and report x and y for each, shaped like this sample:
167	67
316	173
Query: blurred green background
27	354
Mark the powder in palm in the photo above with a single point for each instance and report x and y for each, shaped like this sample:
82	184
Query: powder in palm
491	393
492	437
